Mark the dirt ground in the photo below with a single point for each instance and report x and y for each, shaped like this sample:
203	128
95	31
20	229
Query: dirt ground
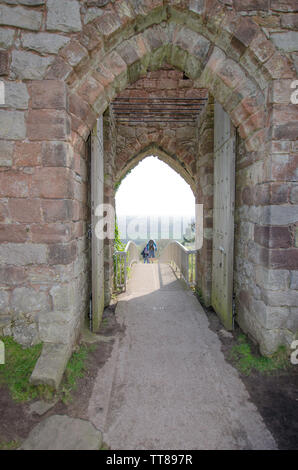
16	421
276	395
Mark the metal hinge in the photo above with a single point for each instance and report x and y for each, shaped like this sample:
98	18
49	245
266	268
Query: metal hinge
233	310
89	232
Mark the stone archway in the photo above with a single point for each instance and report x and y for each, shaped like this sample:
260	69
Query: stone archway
164	156
59	96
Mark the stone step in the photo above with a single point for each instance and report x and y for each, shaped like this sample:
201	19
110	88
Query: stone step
60	432
51	364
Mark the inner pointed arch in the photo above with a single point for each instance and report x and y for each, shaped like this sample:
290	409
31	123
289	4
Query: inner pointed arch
157	151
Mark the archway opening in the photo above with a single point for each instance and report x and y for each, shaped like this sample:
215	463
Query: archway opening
154	202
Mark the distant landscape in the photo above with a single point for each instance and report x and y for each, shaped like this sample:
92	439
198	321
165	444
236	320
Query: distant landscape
162	229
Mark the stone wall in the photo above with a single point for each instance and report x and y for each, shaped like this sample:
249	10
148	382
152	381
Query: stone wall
266	247
204	195
176	141
62	63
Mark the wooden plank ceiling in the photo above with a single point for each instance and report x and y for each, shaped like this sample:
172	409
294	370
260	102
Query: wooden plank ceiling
158	109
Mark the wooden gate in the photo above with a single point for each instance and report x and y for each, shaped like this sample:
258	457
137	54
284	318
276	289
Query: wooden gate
223	217
97	179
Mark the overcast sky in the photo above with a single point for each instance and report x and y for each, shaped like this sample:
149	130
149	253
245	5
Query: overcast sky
153	188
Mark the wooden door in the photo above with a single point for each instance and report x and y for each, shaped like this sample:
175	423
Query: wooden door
97	178
223	217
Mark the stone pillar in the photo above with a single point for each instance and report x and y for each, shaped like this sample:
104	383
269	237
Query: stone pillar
204	195
267	199
39	247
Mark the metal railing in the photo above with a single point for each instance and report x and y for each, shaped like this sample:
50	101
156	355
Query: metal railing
182	259
123	261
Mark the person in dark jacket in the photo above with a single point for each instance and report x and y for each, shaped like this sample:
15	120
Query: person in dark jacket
145	254
151	247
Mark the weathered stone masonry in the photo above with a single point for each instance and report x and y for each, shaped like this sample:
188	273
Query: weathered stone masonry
62	63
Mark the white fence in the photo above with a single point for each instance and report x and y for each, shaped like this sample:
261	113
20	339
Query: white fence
181	259
123	261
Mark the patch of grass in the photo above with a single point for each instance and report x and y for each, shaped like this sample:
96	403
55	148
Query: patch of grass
198	294
75	370
246	361
15	373
12	445
20	362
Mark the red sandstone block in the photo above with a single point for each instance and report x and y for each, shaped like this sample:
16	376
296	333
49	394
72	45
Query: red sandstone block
240	113
25	210
141	46
77	210
3	211
230	73
281	146
284	5
285	122
129	52
285	114
48	94
283	167
290	21
90	90
103	75
48	125
52	183
12	275
285	131
272	237
271	193
62	254
14	184
262	48
212	9
51	233
246	31
168	83
77	163
4	63
279	193
115	64
252	124
91	38
78	229
184	84
78	143
79	127
284	259
81	110
58	210
256	142
108	23
254	5
175	74
248	195
74	53
27	154
230	22
59	70
278	66
57	154
13	233
80	191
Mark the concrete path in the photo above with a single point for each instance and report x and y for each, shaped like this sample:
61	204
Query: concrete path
167	384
